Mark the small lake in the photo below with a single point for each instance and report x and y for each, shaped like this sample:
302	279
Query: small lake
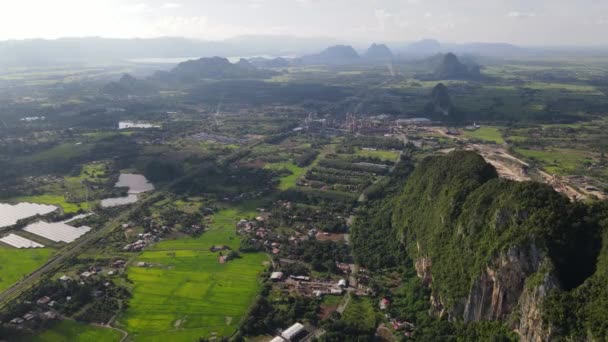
118	201
135	124
137	184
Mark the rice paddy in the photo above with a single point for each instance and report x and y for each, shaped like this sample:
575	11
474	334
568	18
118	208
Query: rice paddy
16	263
185	293
64	331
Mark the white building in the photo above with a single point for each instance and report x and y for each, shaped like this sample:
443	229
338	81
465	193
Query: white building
293	331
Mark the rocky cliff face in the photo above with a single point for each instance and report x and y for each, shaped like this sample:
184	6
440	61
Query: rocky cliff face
530	325
497	291
504	291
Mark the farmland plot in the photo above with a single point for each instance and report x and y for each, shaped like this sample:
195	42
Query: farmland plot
16	263
185	293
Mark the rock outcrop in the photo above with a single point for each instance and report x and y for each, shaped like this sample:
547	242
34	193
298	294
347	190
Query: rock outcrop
512	290
497	291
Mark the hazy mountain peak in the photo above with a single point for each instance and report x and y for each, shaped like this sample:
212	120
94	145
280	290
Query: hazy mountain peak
378	51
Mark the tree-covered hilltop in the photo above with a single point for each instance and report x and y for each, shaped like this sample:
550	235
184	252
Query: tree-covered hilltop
493	249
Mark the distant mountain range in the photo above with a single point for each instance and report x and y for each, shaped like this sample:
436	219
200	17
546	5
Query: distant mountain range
378	52
38	52
212	68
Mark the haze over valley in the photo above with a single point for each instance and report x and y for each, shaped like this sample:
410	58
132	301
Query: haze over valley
302	170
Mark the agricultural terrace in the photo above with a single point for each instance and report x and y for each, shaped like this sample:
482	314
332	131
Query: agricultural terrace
185	293
63	331
16	263
380	154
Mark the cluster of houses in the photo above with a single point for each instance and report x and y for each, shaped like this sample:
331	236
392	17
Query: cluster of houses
43	312
305	286
153	235
398	325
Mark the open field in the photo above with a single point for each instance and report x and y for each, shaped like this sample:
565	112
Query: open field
185	293
557	161
486	133
290	180
15	263
64	331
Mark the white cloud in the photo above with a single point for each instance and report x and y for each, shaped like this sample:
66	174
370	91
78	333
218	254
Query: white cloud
171	5
521	15
139	7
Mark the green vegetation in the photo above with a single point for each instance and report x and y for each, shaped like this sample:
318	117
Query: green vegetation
16	263
64	331
358	323
460	195
288	181
557	161
486	133
186	293
457	214
360	313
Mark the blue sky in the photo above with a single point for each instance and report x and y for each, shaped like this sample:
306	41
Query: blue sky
531	22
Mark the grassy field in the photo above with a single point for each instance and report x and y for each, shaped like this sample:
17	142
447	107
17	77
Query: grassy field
287	181
70	331
486	133
557	161
16	263
186	293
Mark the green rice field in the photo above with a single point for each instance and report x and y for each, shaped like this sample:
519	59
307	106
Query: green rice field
16	263
186	293
71	331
